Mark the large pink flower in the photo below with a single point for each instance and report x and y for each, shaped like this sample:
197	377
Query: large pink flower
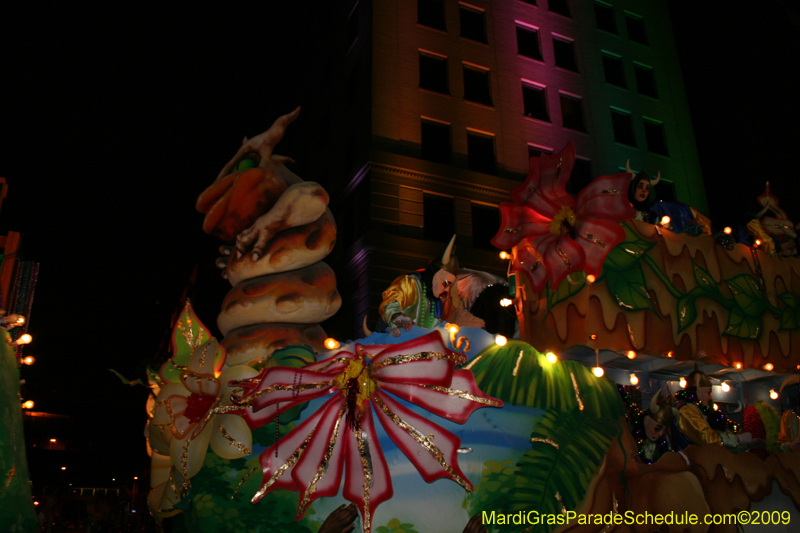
556	235
340	436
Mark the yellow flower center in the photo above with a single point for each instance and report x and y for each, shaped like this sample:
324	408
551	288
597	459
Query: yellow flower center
563	222
356	376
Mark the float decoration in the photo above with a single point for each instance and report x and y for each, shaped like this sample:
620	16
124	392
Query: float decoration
340	436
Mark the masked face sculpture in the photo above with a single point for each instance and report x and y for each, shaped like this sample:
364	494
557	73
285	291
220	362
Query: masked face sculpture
442	281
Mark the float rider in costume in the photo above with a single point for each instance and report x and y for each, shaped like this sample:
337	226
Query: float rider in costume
418	298
789	437
639	192
651	428
695	406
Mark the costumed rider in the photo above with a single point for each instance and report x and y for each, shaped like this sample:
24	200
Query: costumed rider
698	423
639	192
651	428
789	437
485	296
418	298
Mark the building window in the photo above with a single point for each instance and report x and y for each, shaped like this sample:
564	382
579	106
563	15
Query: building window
431	13
645	80
604	15
614	69
476	85
473	24
564	51
572	112
485	224
559	6
352	27
665	190
535	150
433	73
580	177
480	152
439	217
528	42
534	100
436	144
654	133
635	25
531	2
623	127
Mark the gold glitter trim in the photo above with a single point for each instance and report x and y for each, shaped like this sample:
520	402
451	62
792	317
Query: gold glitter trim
333	362
203	355
621	303
472	363
577	391
513	230
280	471
463	344
463	394
424	442
280	387
595	240
609	191
9	478
558	168
366	467
633	252
563	257
516	367
546	441
632	338
421	356
323	465
239	486
235	443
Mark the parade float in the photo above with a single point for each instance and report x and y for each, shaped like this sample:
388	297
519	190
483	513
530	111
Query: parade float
274	427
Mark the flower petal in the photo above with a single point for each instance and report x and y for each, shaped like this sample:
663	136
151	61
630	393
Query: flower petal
597	237
425	360
207	357
231	438
544	190
561	258
412	434
528	261
606	197
189	453
278	461
318	472
455	403
234	373
203	384
176	406
368	482
332	365
518	223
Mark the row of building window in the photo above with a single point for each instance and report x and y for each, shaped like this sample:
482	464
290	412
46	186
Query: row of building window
606	20
529	45
622	123
614	70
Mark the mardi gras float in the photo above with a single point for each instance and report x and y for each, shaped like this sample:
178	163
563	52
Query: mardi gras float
274	427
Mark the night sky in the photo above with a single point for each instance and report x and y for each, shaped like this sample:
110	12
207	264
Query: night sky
112	122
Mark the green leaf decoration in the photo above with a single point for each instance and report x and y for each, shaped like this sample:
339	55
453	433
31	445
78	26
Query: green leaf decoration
396	526
627	253
566	289
747	295
788	299
566	452
704	280
790	315
742	326
687	311
519	375
189	334
629	289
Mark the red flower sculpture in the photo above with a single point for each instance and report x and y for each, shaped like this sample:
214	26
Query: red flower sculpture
556	235
340	436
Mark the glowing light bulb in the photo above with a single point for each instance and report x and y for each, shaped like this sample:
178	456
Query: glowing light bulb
598	372
23	339
28	360
725	387
505	255
35	503
551	357
630	354
590	278
452	328
135	477
665	220
682	383
737	365
768	367
758	242
63	468
593	336
500	340
670	354
52	440
28	405
773	394
716	407
634	379
331	344
505	302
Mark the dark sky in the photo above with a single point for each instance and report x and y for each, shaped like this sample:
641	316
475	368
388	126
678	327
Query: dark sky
113	121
